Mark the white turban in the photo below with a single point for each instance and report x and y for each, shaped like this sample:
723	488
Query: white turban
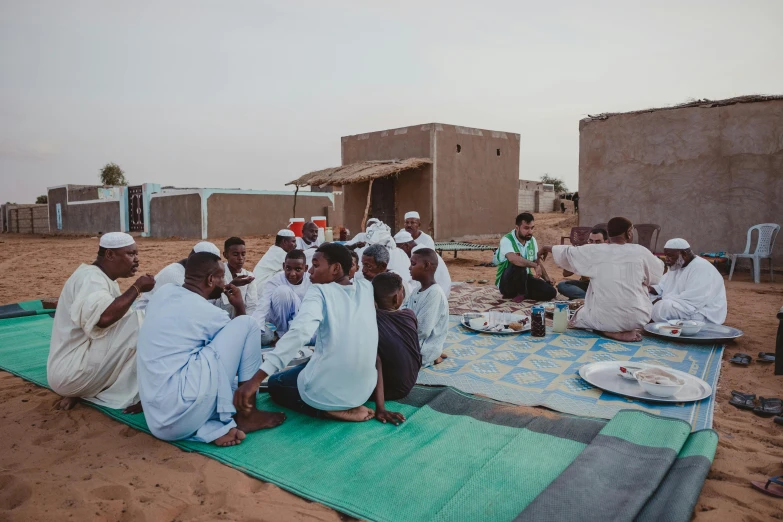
371	221
286	233
412	215
676	244
116	240
403	236
206	246
380	233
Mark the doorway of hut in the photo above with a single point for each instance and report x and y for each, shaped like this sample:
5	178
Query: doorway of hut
382	201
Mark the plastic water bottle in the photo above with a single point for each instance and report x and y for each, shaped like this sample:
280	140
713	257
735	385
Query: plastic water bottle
560	318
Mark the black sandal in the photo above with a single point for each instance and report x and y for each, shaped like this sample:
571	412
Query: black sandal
768	407
766	357
742	359
744	401
778	420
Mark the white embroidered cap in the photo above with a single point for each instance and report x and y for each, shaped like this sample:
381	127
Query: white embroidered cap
403	236
206	246
286	233
677	244
412	215
116	240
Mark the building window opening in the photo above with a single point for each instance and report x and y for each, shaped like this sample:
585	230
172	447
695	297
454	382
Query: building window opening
459	148
498	152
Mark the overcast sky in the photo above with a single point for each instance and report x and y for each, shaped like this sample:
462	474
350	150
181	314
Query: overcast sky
253	94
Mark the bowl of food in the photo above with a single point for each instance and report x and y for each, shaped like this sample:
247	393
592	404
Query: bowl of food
688	327
670	330
658	382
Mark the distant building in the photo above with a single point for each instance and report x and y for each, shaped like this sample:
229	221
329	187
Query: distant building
535	196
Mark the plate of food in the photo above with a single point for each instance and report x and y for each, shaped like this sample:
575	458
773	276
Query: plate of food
496	322
645	381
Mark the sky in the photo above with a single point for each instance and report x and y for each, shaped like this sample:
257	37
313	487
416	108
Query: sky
252	94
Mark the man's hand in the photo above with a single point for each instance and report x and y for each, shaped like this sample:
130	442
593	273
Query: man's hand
243	280
538	271
543	252
235	298
385	416
245	396
145	283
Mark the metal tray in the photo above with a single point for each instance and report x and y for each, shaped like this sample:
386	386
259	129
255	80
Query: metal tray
497	317
710	333
605	375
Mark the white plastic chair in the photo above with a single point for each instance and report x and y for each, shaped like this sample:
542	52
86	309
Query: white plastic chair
767	234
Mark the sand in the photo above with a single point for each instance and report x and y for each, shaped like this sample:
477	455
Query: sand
81	465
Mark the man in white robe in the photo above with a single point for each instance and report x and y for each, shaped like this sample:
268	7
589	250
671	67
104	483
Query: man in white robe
283	294
175	272
360	239
406	243
398	261
617	302
412	226
692	289
189	352
341	375
430	305
235	253
272	262
309	240
92	354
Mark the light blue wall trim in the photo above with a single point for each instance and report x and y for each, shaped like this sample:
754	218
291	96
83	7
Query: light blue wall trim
204	213
147	190
124	211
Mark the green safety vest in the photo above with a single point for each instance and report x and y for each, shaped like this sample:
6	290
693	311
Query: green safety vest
530	255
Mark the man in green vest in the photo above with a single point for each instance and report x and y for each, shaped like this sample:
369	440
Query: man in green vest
520	275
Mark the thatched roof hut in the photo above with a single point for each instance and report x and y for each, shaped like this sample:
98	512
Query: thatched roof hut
358	172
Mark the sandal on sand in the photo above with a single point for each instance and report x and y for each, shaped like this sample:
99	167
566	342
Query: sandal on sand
768	407
745	401
483	281
742	359
470	280
773	486
778	420
766	357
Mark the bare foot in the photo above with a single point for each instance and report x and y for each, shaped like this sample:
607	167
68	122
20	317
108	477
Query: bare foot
358	414
440	359
232	438
66	403
134	408
625	337
255	420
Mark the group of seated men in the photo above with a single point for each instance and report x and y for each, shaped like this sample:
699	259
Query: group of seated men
184	346
623	284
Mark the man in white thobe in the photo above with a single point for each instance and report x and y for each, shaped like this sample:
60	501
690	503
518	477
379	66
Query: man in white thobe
235	253
360	239
189	352
692	289
272	262
406	243
412	226
175	272
309	240
283	294
398	261
617	302
92	354
430	305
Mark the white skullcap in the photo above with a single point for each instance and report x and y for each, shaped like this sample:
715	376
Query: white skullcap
116	240
676	244
412	215
403	236
206	246
286	233
373	220
418	247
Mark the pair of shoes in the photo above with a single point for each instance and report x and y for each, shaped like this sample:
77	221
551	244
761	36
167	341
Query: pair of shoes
765	408
743	401
742	359
766	357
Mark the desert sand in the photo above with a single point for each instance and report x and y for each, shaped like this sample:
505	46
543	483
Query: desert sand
81	465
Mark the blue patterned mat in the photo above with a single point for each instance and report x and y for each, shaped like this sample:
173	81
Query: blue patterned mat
542	371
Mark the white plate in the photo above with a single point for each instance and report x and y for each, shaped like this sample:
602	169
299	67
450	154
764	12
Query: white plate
495	318
710	333
605	375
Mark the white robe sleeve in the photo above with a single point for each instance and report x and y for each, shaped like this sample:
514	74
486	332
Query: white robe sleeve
263	305
573	259
301	330
92	299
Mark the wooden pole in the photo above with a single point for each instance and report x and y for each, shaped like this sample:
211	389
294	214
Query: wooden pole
295	193
367	207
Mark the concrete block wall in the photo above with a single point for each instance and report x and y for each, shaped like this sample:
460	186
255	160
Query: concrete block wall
27	219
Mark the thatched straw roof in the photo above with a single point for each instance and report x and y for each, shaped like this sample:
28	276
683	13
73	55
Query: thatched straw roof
358	172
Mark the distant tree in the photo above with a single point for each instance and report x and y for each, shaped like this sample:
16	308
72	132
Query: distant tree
42	199
112	174
559	184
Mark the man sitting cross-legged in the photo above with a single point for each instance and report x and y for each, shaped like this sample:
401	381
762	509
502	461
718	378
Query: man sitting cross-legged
189	352
235	252
399	356
283	293
272	262
92	354
430	305
340	376
617	303
520	275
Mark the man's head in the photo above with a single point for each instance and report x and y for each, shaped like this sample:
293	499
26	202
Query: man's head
424	262
597	236
404	241
235	253
620	230
310	232
286	240
331	262
295	266
412	223
678	253
525	226
118	255
388	291
371	222
354	264
375	259
205	273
